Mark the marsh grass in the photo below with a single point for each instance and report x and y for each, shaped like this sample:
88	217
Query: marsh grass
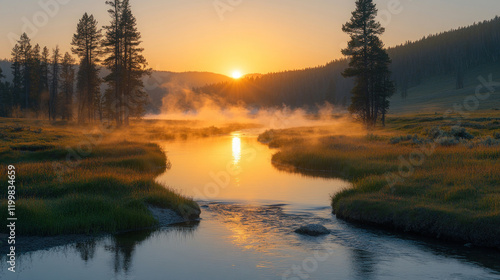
107	190
454	194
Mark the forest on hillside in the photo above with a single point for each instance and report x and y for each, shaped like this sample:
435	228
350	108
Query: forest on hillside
50	84
448	53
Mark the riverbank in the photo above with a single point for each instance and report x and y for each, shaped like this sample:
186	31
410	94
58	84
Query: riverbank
418	175
93	179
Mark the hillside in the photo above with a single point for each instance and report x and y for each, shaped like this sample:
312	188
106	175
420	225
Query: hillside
159	84
437	70
430	75
438	94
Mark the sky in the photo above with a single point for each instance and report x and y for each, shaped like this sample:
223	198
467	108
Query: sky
249	36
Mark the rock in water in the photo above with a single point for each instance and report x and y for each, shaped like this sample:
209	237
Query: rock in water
313	230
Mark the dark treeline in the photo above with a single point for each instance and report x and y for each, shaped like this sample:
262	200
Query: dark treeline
452	52
49	84
297	88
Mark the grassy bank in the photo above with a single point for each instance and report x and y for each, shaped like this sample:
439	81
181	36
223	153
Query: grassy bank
449	188
73	179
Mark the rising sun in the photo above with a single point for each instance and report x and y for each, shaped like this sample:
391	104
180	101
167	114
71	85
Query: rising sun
236	74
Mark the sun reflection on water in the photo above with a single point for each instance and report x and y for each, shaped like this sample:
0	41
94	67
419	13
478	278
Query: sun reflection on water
236	149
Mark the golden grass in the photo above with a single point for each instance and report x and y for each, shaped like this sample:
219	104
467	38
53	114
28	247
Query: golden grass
72	179
450	191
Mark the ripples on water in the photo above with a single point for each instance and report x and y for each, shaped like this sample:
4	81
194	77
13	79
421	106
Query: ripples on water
257	242
247	233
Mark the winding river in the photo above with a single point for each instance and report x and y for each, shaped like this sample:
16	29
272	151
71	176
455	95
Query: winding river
250	210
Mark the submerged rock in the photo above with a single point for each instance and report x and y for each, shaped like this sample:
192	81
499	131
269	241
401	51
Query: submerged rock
313	230
167	217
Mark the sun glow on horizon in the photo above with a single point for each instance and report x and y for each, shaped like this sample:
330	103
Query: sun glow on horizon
236	74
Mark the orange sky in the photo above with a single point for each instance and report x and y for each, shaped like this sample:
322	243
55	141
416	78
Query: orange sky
256	36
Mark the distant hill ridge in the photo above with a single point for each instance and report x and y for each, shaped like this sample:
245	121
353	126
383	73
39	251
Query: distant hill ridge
455	56
460	53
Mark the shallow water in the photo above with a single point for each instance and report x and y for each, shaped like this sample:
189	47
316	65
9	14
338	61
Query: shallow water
250	210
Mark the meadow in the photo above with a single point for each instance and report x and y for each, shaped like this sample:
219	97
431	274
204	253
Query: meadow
423	173
91	179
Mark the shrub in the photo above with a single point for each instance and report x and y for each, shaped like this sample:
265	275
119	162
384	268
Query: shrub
447	141
266	137
489	141
461	133
435	132
395	140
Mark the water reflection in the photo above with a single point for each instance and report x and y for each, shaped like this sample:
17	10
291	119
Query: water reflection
241	168
268	232
86	249
363	263
123	248
236	148
120	249
239	241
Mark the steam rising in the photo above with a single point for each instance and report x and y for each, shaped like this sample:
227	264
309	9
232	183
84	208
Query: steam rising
181	103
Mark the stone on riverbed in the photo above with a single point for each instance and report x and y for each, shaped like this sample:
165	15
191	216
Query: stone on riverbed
313	230
167	217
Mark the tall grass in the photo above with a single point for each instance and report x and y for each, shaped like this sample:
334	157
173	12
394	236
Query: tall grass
108	190
455	193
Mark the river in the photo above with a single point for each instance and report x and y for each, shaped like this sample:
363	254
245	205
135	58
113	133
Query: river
249	212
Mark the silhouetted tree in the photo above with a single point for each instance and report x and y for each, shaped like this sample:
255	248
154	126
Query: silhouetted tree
44	80
4	96
87	45
125	95
25	52
134	98
54	84
368	63
35	90
67	86
114	61
17	80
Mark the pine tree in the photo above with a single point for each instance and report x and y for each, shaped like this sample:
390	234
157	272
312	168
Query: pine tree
44	80
35	90
134	98
4	96
67	87
87	45
114	61
25	51
368	63
17	80
54	84
125	96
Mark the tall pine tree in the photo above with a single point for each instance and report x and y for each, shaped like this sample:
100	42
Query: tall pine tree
87	45
125	96
134	98
44	80
17	80
67	87
54	83
26	53
4	96
368	63
35	90
113	48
